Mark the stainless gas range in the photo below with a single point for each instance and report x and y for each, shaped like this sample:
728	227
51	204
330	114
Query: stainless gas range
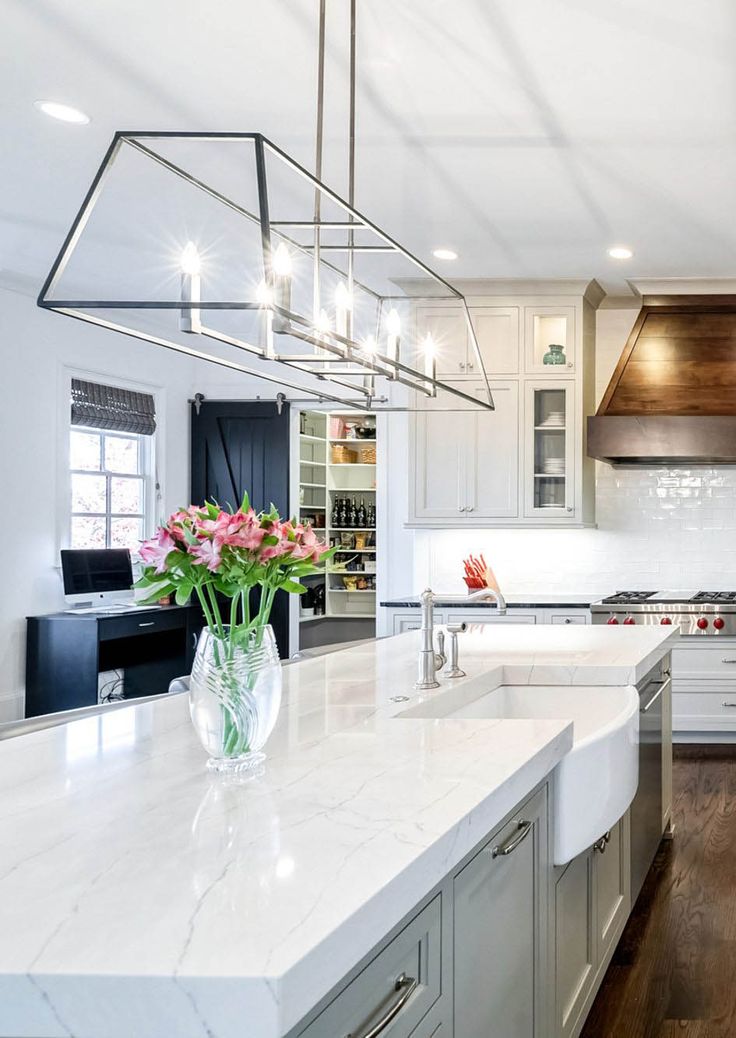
698	613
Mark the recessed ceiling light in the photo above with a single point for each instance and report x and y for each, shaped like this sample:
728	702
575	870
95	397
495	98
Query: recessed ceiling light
446	254
65	113
620	252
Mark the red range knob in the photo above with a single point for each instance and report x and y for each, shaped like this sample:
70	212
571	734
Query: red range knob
612	620
629	620
665	620
702	623
719	623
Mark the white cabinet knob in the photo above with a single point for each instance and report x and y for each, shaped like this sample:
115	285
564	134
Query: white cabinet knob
569	508
469	508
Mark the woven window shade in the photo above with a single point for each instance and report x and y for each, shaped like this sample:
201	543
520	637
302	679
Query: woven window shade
108	407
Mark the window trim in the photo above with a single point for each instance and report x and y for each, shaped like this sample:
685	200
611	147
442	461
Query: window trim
154	479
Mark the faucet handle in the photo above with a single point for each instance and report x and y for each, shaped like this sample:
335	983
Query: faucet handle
440	658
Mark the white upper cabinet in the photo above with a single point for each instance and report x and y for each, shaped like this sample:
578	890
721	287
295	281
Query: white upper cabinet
440	449
523	464
496	330
465	461
491	460
549	340
449	330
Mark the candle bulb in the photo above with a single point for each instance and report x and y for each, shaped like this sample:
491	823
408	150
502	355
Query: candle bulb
190	319
265	299
369	349
393	341
281	265
343	307
430	362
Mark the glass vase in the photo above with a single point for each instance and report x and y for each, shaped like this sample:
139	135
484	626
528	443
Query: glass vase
235	696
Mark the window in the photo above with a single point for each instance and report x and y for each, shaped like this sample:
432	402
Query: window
112	488
108	488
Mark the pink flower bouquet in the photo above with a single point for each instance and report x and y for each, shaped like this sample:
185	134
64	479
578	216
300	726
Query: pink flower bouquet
210	551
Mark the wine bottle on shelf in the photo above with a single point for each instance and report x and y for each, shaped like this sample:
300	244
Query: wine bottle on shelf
335	518
371	516
362	514
353	513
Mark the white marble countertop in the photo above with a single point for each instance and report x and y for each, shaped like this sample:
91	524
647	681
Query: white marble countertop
141	895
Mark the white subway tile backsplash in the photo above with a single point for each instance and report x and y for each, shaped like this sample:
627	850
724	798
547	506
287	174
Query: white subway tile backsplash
656	528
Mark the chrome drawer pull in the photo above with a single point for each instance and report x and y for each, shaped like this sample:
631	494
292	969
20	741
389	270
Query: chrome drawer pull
150	623
726	703
727	660
523	830
404	988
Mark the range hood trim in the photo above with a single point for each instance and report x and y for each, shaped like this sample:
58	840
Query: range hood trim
657	440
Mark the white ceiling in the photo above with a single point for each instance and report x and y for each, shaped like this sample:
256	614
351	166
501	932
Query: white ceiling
529	135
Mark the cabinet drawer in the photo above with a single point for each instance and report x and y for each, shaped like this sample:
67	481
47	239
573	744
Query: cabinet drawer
416	954
715	658
141	623
704	711
568	618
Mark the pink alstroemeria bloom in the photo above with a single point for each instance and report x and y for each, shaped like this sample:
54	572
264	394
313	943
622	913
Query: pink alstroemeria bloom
176	523
208	554
155	551
286	543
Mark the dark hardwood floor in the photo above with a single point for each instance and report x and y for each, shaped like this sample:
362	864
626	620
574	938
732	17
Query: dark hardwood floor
673	974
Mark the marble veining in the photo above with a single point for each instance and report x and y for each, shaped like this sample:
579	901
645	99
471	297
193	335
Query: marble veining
141	895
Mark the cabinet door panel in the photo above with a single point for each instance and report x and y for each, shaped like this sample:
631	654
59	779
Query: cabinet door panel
546	325
611	889
574	940
549	453
498	932
497	331
493	455
440	448
449	330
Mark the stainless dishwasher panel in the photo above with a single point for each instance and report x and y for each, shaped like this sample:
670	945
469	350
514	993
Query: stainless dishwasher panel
646	809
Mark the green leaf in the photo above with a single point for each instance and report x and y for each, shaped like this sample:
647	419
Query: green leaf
184	593
245	503
293	588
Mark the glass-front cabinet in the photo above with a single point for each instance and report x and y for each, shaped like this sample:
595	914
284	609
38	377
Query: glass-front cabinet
549	339
550	456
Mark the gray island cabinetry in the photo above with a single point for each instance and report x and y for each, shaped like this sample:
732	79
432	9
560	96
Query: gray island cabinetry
472	962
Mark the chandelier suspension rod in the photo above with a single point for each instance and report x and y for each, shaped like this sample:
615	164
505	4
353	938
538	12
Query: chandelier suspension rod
319	147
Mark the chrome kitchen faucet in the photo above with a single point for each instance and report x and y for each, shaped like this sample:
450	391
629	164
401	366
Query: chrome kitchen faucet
429	660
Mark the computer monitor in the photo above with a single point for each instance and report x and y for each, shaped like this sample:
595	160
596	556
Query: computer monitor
97	576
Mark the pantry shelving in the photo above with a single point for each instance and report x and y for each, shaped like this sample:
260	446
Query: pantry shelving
337	489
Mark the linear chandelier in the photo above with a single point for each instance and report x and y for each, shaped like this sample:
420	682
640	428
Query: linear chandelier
222	247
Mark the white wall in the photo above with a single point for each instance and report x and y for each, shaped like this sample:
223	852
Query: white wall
35	348
656	528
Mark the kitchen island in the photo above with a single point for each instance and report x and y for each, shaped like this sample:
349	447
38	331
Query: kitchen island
142	896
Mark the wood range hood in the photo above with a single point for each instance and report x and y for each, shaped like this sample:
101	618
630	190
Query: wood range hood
672	398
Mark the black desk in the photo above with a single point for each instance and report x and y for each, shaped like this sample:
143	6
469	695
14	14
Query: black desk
65	653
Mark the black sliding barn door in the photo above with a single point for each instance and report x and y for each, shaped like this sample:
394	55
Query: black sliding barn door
238	446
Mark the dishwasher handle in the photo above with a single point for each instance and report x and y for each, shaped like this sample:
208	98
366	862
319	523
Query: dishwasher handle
661	686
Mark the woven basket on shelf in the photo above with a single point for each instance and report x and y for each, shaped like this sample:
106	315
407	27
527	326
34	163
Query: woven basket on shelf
342	455
368	455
